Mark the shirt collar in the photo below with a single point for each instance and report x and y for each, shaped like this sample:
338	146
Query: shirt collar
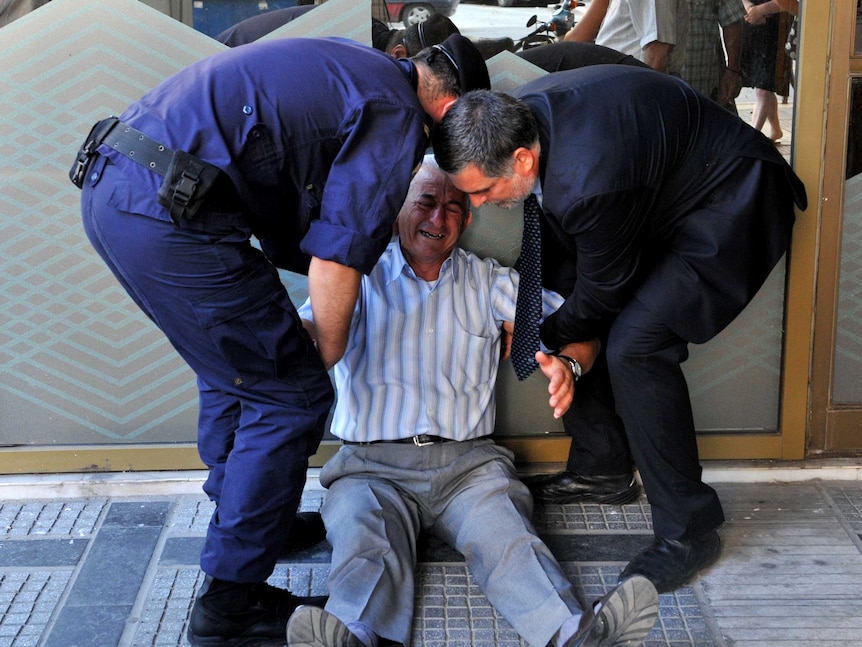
537	190
407	66
398	265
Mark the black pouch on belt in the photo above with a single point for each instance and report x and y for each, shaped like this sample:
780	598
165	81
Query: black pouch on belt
187	182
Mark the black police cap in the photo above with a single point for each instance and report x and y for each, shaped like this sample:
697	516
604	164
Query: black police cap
468	62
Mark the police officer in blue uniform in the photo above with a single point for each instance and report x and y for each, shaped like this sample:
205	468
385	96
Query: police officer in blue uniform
308	145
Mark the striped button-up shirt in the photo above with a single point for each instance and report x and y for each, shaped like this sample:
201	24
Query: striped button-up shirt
422	356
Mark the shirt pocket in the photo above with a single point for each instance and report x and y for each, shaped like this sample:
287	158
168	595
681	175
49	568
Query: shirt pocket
260	160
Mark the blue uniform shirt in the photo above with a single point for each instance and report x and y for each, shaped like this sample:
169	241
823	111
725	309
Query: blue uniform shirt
319	136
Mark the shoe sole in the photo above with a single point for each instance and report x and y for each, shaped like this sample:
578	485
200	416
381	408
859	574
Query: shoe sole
628	614
315	627
631	493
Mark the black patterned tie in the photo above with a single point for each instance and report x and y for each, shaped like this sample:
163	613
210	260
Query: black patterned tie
528	312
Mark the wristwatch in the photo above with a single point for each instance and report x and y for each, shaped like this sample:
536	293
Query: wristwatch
573	364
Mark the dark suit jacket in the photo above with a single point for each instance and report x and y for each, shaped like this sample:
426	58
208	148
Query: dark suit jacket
659	194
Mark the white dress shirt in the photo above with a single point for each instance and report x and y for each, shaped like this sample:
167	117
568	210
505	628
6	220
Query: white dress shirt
422	356
630	25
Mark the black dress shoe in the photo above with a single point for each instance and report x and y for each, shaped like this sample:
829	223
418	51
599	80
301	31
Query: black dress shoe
307	531
670	563
230	614
567	487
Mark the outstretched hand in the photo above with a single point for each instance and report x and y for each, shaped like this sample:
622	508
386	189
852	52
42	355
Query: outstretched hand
560	377
561	384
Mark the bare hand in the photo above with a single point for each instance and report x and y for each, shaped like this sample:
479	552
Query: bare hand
561	382
755	15
506	339
730	87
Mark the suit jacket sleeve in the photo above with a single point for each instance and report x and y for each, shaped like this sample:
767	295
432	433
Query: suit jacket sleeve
606	232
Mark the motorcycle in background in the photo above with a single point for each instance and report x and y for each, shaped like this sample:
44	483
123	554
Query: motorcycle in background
545	33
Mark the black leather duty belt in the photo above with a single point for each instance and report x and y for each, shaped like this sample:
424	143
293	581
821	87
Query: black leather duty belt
422	440
187	179
139	148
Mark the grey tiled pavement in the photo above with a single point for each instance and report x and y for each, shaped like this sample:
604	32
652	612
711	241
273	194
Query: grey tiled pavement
110	570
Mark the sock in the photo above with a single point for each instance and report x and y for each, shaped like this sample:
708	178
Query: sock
567	631
363	633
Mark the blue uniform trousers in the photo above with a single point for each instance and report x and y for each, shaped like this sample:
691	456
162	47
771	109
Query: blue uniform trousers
264	393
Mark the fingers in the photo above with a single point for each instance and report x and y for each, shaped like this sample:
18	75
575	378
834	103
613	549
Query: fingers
561	382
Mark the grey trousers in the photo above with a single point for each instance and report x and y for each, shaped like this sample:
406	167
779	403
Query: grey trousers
466	493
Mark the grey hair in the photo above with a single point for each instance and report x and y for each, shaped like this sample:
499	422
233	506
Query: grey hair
484	128
429	164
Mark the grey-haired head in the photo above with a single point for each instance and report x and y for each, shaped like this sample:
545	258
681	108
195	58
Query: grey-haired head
484	128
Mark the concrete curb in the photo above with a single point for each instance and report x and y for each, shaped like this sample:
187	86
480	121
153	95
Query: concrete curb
135	484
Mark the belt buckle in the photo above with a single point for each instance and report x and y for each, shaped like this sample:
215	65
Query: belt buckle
422	443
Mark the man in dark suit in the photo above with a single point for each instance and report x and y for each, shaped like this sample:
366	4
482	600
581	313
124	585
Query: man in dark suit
599	468
669	213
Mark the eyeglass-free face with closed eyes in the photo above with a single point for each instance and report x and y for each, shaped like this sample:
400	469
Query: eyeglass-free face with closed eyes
432	219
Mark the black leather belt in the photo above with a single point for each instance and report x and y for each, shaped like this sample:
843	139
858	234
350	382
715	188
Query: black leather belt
422	440
188	180
139	148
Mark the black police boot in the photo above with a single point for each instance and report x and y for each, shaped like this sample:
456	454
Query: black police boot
231	614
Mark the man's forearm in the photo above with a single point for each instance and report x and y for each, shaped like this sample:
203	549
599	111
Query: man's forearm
585	352
733	44
731	79
333	289
587	28
657	55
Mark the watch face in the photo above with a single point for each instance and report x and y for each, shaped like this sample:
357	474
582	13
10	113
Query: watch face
574	365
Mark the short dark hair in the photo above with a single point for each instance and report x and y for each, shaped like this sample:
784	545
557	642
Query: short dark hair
484	128
445	76
381	36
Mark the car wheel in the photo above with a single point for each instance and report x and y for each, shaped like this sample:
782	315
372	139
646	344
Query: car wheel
505	3
414	13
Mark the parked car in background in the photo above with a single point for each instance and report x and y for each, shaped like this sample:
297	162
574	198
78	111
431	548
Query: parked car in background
410	12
